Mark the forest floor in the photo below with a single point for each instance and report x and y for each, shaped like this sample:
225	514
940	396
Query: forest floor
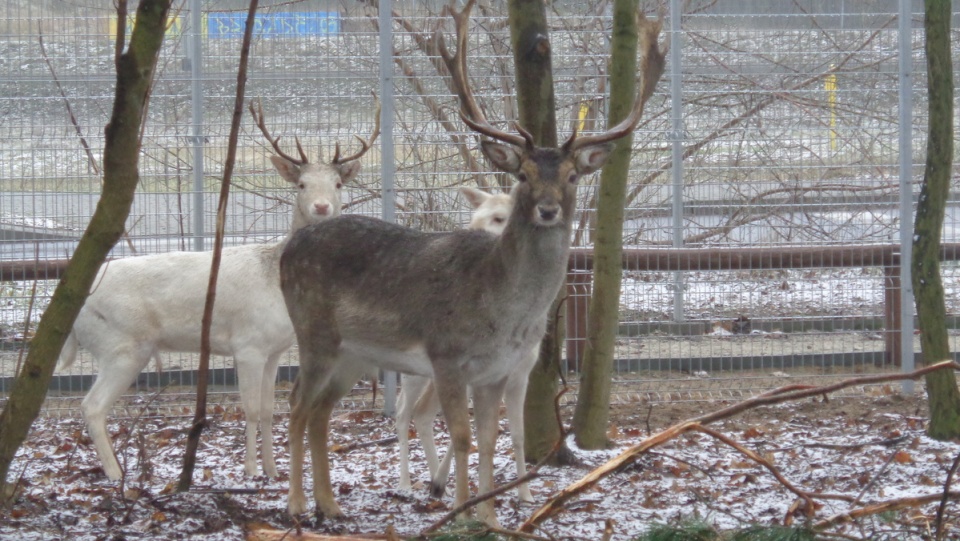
849	452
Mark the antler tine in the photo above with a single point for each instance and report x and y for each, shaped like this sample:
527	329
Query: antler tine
364	144
258	118
651	69
303	155
456	64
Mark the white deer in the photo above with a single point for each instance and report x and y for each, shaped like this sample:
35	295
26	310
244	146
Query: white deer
418	401
463	307
141	306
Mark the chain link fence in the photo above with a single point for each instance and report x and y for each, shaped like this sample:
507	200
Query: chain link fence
780	126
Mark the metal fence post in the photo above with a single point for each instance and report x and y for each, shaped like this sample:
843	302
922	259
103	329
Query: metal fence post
196	99
387	160
676	118
905	90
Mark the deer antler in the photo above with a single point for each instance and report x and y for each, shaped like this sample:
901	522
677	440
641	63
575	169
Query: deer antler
365	144
456	64
651	68
258	117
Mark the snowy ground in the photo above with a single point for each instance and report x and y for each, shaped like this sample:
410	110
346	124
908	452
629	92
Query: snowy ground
870	449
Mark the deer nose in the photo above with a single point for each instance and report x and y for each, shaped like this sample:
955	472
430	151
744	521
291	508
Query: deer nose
322	208
548	213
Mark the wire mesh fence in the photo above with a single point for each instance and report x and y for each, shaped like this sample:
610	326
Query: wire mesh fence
777	127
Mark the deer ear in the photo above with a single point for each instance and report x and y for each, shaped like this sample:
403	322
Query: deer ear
287	169
591	158
504	157
474	196
348	170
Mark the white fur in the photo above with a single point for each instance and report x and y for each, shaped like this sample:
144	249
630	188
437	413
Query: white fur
418	401
143	305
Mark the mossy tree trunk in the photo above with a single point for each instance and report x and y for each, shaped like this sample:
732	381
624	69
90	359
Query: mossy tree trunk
593	401
135	70
529	37
942	392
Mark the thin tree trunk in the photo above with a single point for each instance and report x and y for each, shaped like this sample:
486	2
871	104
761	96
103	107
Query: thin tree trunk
135	69
200	415
593	401
534	76
942	391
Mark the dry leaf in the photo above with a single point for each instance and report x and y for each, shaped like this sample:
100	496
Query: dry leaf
903	457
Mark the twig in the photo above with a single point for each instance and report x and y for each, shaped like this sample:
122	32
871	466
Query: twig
943	501
846	447
363	445
66	102
762	461
876	478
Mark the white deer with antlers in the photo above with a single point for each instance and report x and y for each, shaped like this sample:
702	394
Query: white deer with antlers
141	306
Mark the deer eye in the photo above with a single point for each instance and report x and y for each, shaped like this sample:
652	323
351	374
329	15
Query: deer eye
521	176
499	220
572	178
339	185
301	185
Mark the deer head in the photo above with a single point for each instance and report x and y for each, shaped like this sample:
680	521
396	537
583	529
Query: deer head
547	176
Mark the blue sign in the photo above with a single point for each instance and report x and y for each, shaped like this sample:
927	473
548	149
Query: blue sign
230	25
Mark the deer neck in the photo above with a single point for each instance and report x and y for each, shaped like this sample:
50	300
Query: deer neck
536	256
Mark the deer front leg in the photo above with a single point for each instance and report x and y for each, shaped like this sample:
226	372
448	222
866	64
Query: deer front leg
486	412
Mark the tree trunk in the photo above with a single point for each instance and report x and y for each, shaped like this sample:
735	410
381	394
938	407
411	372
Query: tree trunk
534	77
593	402
941	386
135	70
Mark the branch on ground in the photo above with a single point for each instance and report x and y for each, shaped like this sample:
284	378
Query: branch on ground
791	393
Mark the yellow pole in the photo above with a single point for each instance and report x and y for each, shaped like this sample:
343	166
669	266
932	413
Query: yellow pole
830	85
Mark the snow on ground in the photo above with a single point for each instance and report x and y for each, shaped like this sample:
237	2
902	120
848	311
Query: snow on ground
871	449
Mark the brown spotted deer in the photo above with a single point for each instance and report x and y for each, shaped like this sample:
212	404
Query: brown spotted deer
462	307
141	306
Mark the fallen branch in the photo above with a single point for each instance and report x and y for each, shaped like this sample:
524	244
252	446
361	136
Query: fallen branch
268	534
883	507
557	503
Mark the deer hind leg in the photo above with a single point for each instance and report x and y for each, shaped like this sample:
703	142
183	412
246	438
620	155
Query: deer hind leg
310	414
411	389
486	413
296	499
318	430
427	407
267	397
453	400
118	371
318	340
